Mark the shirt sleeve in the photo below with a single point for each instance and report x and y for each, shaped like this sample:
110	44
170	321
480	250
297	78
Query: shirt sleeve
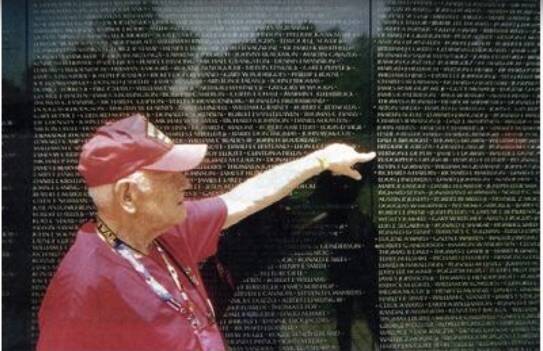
202	226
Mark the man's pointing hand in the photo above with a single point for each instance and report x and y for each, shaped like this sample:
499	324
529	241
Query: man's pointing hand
340	158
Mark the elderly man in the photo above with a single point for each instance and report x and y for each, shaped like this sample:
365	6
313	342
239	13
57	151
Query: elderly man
130	281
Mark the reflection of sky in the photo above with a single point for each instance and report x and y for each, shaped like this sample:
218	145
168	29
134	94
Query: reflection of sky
222	23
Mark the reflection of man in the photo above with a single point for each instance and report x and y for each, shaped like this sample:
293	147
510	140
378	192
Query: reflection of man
130	281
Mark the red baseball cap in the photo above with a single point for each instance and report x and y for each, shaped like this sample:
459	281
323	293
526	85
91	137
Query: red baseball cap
120	148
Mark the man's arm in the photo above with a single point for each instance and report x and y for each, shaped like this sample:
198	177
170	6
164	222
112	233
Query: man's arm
266	188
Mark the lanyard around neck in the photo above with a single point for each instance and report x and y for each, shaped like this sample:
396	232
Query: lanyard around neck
129	254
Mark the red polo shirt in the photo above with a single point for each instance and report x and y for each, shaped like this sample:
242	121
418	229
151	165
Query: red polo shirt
97	301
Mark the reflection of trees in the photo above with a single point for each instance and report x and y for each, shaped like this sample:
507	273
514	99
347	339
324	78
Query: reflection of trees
358	81
129	63
285	74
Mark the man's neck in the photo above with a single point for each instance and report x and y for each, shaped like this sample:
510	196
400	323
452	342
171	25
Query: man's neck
132	234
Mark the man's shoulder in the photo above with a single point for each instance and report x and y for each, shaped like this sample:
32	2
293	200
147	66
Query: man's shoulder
200	212
85	264
88	254
214	203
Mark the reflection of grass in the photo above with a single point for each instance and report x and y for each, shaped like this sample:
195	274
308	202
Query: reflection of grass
302	193
362	336
323	336
309	336
366	200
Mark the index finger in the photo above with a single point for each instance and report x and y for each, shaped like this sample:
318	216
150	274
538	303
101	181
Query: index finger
365	157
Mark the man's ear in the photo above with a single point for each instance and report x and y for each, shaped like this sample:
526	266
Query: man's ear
124	193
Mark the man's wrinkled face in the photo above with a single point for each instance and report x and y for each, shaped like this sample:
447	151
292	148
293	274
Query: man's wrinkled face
161	199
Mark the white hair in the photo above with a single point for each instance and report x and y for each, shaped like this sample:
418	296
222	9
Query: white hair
102	195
